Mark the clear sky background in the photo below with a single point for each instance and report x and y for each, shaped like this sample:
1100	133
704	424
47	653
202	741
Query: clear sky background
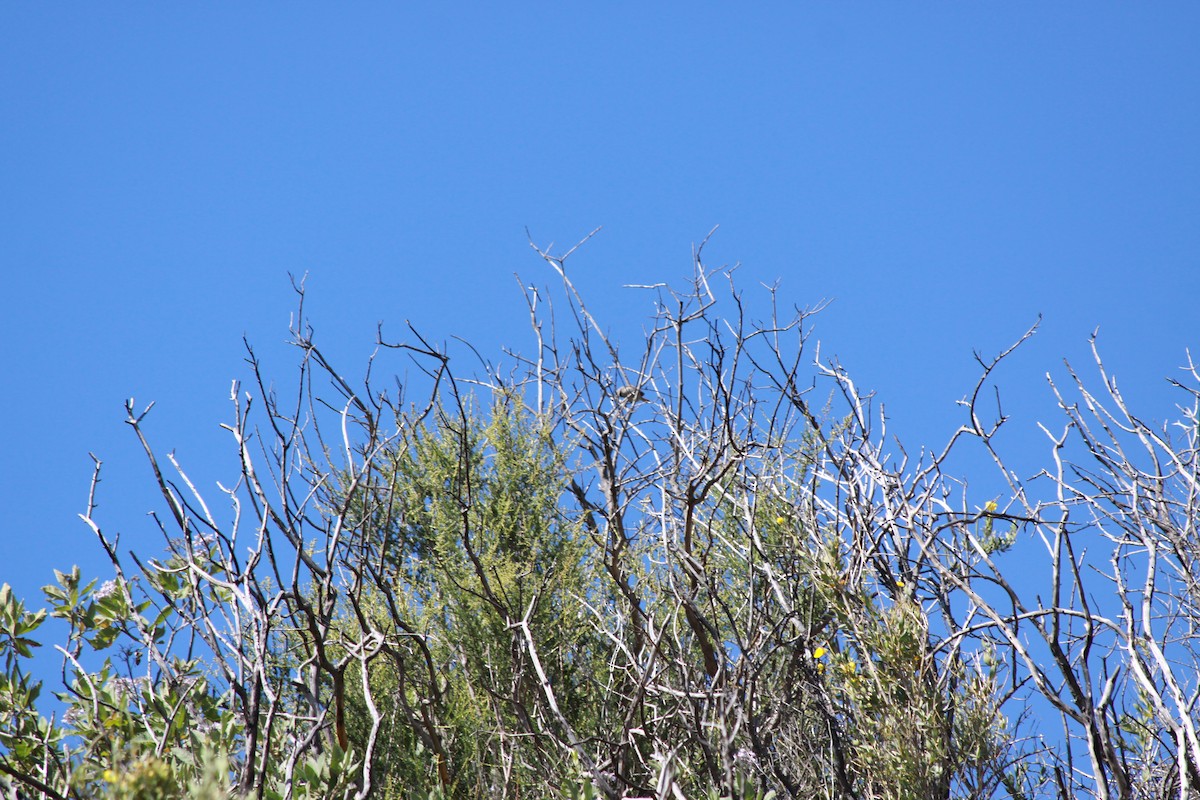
944	172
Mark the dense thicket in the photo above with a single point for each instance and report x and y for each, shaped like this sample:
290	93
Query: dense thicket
698	568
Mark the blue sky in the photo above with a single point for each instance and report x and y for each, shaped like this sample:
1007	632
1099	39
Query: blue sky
943	172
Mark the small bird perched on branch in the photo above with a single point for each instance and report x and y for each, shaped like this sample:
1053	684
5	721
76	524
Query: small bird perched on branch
630	394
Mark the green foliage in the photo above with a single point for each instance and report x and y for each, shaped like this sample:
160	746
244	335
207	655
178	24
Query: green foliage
668	582
480	549
119	736
467	515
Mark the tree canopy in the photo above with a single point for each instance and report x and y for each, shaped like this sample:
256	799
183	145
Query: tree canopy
697	566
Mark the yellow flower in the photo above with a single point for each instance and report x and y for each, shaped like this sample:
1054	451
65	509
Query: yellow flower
990	506
819	652
780	520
